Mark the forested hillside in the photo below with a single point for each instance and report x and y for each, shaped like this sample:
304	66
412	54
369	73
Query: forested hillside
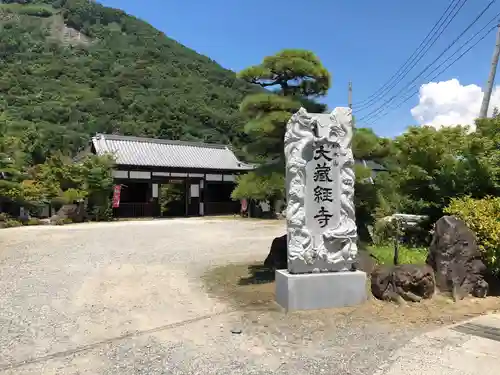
71	68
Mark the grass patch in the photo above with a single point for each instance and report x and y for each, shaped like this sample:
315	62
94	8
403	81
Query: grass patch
385	255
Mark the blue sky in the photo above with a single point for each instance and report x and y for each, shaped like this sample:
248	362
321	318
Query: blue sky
363	41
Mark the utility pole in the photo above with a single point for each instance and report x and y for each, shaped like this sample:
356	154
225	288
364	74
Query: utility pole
491	79
349	95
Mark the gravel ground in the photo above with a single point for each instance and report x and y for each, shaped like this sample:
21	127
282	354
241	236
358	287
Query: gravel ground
126	298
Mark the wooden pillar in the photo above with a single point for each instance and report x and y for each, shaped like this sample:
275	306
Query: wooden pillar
202	196
186	196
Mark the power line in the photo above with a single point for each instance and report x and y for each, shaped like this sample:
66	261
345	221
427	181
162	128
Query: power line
419	53
443	62
392	98
412	94
403	72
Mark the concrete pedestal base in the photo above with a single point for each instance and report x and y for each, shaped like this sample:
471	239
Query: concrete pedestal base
320	290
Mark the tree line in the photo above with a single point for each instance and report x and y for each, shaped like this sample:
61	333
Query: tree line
430	172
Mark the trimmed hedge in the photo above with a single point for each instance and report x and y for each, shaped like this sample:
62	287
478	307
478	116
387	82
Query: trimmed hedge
483	217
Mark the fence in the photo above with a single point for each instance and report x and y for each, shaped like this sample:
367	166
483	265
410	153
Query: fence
134	210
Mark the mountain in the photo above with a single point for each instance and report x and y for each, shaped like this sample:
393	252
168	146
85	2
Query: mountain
71	68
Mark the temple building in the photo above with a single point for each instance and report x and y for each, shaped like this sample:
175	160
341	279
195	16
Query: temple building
196	179
200	176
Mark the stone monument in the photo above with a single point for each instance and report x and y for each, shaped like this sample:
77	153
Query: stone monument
321	226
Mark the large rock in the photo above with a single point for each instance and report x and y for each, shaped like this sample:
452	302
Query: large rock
405	282
456	259
277	257
75	212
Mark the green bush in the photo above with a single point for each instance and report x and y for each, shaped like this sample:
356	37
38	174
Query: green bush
169	193
73	195
383	232
255	185
33	221
64	221
482	216
3	217
12	223
417	235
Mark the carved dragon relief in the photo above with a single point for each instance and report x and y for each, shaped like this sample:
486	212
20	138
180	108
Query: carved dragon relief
299	137
340	242
338	249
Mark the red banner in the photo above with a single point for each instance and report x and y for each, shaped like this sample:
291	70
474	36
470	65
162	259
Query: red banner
116	196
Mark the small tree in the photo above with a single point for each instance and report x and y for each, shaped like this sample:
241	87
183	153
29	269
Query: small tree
62	181
260	187
13	184
97	184
168	193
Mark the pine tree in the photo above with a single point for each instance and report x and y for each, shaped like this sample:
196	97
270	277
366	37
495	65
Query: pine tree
292	79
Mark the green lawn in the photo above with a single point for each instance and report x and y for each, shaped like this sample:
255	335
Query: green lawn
385	254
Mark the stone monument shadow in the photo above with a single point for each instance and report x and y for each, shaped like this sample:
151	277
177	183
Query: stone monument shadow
259	274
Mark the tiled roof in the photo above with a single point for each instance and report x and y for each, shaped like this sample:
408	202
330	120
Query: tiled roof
165	153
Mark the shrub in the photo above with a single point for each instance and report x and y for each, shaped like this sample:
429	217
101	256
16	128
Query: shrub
3	217
102	212
169	193
254	185
33	221
417	235
64	221
482	216
383	232
12	223
73	195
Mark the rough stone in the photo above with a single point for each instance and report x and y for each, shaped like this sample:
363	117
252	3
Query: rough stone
277	257
455	257
405	282
75	212
320	290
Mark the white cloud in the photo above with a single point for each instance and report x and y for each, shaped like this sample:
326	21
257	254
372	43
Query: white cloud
449	103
